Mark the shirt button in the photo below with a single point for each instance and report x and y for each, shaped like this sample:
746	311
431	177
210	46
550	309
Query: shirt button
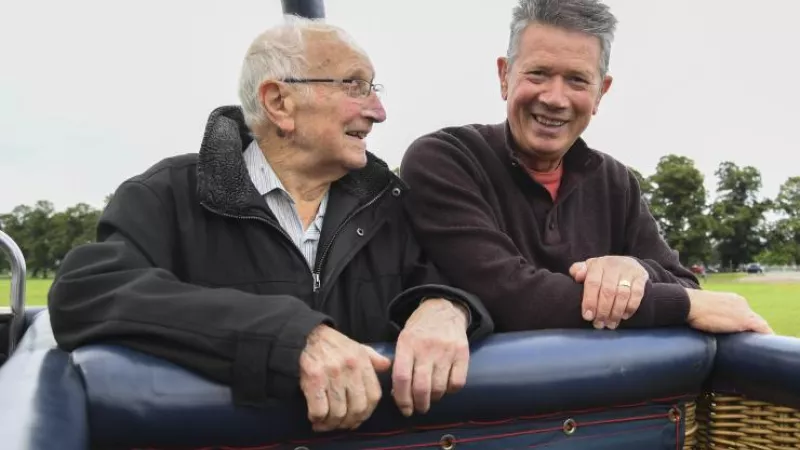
396	192
360	232
552	224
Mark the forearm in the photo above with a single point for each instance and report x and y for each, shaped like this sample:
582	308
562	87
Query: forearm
105	292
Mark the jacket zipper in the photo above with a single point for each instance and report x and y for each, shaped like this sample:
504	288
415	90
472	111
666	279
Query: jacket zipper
261	219
321	261
315	273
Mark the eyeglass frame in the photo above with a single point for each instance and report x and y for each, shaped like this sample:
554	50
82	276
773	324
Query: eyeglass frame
349	82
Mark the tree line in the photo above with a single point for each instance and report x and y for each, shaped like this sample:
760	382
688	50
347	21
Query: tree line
734	228
729	231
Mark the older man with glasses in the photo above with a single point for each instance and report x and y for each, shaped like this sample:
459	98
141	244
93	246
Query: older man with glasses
267	259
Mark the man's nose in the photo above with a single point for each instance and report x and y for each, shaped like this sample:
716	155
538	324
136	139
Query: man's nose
554	95
373	109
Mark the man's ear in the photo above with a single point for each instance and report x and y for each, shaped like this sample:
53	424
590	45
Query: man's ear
604	87
279	104
502	75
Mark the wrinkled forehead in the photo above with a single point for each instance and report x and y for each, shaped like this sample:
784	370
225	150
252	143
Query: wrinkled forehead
329	56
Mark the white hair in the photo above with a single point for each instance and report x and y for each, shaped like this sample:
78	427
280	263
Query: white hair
586	16
279	53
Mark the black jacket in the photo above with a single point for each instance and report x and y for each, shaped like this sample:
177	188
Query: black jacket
191	265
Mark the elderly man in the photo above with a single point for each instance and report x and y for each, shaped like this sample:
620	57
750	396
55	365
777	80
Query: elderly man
547	231
266	262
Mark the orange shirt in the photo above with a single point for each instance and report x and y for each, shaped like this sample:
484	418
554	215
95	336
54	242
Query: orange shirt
550	180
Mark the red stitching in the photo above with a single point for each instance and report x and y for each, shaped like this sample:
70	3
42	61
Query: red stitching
616	433
476	423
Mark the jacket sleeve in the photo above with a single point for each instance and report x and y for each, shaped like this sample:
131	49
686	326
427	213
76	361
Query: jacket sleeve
123	289
459	231
646	244
423	280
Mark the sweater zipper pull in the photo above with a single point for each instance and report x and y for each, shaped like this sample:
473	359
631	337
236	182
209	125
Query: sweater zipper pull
317	282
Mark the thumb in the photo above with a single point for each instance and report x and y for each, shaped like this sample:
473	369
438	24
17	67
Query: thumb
379	362
578	271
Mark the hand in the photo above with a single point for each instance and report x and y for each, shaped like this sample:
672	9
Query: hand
723	312
431	357
338	378
613	287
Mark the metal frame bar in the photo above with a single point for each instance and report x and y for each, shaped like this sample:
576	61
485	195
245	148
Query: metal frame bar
311	9
17	301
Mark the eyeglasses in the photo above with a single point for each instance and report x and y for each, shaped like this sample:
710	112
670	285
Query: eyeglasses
355	87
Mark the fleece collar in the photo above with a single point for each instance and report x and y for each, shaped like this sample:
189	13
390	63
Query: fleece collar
224	184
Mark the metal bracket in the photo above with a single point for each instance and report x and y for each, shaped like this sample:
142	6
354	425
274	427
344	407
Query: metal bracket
17	301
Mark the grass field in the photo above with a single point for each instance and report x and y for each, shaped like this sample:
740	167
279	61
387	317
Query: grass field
778	301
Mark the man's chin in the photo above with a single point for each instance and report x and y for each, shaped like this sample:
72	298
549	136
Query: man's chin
356	161
545	147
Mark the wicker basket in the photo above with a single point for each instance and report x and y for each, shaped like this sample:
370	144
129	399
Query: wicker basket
728	422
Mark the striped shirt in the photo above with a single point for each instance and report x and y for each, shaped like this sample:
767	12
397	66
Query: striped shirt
282	205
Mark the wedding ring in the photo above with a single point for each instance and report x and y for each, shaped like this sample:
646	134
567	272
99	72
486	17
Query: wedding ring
625	283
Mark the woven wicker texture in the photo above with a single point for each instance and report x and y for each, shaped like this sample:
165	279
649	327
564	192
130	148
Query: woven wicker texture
690	420
728	422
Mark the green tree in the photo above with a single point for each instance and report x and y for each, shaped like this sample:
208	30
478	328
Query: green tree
45	236
678	202
70	228
739	226
783	237
13	224
644	184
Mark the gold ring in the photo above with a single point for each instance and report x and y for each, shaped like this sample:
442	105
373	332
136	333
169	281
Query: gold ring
625	283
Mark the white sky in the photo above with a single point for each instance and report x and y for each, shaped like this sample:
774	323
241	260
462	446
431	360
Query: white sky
93	92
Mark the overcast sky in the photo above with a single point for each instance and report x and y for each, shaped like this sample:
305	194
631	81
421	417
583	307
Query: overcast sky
93	92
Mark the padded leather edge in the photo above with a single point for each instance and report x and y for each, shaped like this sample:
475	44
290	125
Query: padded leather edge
42	401
761	367
135	399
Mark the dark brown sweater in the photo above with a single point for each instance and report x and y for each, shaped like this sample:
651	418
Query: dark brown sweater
497	233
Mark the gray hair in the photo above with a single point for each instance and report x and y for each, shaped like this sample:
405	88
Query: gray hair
586	16
279	53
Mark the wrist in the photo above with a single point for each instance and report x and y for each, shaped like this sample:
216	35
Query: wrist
462	311
695	303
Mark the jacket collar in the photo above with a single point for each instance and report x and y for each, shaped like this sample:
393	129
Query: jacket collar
223	182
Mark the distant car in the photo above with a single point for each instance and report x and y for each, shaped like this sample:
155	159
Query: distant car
754	268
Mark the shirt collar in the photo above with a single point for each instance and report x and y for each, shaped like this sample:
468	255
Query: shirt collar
261	173
266	180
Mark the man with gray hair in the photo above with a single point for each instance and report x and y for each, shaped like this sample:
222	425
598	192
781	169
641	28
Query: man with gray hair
549	232
269	258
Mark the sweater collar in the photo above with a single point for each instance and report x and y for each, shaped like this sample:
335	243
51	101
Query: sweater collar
578	159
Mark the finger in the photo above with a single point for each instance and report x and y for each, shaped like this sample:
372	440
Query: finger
578	271
379	362
439	380
637	294
458	372
337	406
620	305
401	379
605	300
317	400
356	402
591	291
372	389
421	386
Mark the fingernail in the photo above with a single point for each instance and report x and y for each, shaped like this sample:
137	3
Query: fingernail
626	316
599	325
588	314
407	412
612	325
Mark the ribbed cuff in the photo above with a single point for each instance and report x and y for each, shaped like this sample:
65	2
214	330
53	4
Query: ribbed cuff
670	303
